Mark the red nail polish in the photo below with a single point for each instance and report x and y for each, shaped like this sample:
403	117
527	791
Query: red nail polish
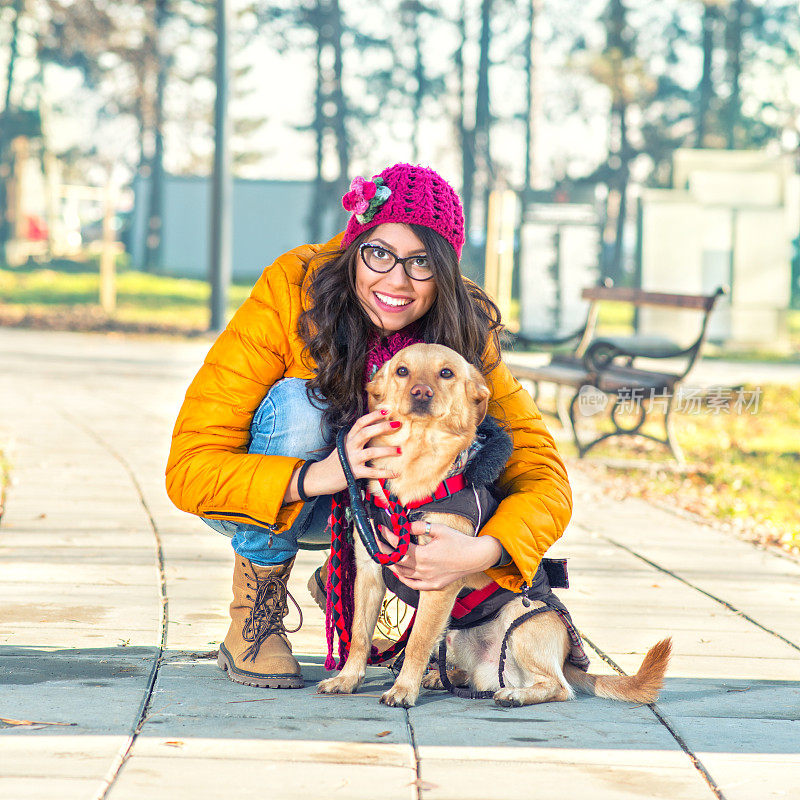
394	424
384	412
399	451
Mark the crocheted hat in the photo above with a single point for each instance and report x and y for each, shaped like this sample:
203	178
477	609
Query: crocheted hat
408	194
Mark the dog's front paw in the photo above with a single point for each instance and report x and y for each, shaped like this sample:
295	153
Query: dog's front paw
402	696
341	684
511	697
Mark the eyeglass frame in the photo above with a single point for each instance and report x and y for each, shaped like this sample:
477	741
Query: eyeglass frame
397	260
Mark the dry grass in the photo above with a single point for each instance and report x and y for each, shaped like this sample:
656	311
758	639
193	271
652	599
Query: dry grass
743	469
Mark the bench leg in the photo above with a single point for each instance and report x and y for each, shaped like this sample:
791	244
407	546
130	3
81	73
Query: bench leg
671	441
571	414
562	409
635	430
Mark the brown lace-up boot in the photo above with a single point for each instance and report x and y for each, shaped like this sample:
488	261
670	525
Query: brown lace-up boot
317	585
256	651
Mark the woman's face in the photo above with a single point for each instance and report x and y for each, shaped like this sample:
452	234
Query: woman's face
392	299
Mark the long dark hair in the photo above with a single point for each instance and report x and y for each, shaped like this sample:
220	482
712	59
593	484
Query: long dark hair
336	329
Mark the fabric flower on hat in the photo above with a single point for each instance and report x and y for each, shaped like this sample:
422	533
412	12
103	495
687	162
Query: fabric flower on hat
365	198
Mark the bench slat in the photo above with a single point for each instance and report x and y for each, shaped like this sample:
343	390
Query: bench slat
638	297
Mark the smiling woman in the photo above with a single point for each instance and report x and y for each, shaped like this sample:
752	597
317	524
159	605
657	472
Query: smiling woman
252	448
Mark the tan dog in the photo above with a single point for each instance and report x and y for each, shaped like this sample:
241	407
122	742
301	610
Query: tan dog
441	399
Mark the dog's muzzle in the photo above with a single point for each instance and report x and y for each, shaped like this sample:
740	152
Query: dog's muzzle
421	398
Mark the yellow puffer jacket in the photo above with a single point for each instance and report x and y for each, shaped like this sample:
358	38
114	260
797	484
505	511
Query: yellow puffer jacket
211	474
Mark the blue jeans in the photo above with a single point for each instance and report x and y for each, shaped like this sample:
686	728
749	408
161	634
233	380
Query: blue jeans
285	424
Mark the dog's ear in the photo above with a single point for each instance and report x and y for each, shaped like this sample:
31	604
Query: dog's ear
376	388
478	392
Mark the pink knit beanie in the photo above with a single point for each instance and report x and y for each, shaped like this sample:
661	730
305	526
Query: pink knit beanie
408	194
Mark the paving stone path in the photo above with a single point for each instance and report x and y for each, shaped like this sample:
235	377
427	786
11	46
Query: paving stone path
112	604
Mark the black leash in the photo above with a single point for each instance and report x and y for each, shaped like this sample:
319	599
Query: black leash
365	531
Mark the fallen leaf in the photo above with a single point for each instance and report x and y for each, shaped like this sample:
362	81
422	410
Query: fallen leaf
176	743
383	733
10	721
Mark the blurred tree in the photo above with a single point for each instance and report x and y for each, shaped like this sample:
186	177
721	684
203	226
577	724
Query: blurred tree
6	124
762	49
414	75
478	116
288	24
705	89
631	85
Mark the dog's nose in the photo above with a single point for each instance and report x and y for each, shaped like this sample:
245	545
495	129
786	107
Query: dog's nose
421	391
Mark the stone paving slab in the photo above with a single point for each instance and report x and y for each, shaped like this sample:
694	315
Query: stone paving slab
754	776
481	773
91	691
165	779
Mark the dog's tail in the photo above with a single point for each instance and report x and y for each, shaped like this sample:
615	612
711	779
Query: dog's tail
643	687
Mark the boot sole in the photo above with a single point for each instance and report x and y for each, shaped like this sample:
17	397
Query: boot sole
225	663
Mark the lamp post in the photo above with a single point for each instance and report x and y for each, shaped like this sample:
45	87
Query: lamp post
222	183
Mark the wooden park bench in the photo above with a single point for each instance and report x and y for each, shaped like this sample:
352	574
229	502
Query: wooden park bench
601	369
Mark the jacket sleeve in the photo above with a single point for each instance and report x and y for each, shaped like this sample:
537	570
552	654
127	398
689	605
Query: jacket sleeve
538	501
209	471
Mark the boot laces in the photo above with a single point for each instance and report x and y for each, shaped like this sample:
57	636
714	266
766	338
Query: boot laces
267	613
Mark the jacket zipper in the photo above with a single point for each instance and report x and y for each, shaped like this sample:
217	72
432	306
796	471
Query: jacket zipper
261	524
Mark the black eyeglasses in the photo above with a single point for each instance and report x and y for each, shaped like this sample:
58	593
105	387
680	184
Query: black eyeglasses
380	259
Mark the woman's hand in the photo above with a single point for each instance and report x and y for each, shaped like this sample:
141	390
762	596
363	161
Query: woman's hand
448	556
327	476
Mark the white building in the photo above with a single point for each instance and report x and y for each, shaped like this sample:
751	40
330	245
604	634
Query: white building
729	220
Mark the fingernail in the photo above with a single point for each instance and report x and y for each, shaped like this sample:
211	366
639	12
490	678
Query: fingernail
384	411
399	451
394	424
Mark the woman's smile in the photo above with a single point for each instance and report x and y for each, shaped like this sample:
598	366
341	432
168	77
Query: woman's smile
392	303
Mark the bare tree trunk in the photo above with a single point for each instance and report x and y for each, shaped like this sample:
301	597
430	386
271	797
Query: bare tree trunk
419	93
155	222
5	115
734	57
530	168
618	47
618	257
706	87
530	108
12	55
340	119
482	112
318	194
465	133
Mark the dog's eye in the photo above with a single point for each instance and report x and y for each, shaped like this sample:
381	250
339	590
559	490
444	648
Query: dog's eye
402	371
446	373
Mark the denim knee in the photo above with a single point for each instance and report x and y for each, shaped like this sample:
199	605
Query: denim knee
287	424
284	424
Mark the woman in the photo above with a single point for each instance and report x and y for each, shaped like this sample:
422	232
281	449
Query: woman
289	371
